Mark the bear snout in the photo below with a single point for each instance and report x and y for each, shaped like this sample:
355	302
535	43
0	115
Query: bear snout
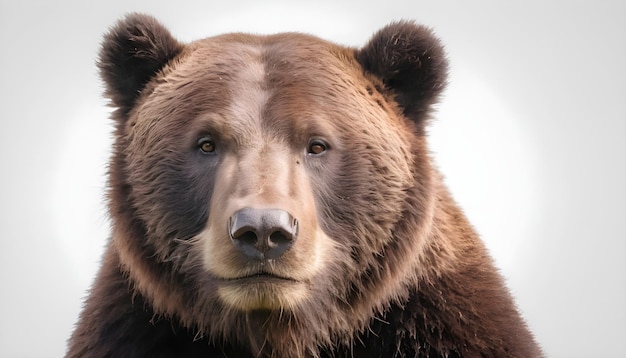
262	234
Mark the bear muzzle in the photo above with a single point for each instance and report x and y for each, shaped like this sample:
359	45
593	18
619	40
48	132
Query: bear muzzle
262	234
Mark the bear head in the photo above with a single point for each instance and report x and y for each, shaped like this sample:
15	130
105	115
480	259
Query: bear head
265	186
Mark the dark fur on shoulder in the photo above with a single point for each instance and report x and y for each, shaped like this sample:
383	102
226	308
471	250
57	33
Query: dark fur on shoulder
326	145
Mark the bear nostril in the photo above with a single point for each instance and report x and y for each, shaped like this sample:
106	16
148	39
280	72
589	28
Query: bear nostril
278	238
282	236
248	238
262	233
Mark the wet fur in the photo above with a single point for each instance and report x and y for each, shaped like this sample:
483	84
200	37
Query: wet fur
402	273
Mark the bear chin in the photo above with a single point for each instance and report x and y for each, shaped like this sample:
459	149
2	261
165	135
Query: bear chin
262	292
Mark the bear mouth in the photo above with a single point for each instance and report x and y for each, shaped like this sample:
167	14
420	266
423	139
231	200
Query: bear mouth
262	277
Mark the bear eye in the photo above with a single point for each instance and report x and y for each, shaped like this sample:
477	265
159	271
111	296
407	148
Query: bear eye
206	145
317	146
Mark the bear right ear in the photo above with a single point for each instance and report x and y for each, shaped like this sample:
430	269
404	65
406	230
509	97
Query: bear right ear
133	51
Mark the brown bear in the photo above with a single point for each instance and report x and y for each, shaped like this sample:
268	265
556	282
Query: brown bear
273	196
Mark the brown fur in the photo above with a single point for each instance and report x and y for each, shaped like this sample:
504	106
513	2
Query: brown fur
384	263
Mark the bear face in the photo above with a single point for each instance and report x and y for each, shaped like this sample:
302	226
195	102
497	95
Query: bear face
285	122
273	192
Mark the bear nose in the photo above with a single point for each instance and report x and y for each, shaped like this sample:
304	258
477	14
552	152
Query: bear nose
262	233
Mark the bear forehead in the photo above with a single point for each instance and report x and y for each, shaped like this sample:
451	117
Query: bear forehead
283	79
285	51
270	62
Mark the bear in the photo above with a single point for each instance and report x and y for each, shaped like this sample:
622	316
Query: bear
274	196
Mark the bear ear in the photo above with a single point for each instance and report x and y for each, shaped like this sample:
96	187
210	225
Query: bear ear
133	51
410	61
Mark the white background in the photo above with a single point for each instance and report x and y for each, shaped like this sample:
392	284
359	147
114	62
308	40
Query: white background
531	135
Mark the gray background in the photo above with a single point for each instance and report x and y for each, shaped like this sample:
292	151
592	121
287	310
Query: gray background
531	135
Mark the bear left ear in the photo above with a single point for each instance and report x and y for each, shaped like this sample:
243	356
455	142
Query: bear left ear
411	63
133	51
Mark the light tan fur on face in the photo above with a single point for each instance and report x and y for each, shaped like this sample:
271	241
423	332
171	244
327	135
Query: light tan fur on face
259	170
225	262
